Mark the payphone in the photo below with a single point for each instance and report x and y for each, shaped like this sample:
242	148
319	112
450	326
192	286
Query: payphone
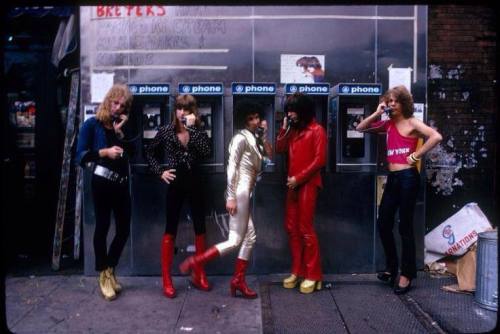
149	111
319	93
265	95
209	97
354	151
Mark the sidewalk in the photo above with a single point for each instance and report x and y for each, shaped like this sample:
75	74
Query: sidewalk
350	304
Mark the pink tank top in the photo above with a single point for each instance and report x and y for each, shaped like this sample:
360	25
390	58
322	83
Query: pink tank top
398	146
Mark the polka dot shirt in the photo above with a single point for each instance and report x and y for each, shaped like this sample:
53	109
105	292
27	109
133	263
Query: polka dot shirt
166	144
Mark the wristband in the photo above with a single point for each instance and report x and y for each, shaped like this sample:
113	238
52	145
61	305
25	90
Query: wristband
413	158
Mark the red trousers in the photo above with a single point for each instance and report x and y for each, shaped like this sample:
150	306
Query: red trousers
303	241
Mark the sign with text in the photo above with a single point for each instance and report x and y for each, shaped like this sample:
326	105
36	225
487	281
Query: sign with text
201	88
106	12
253	88
149	89
358	89
310	89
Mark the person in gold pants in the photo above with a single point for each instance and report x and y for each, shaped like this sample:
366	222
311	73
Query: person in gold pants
246	151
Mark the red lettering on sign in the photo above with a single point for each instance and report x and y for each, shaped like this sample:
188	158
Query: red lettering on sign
161	12
462	243
134	11
100	11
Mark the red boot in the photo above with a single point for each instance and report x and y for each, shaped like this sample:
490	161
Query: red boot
167	255
238	281
193	263
198	276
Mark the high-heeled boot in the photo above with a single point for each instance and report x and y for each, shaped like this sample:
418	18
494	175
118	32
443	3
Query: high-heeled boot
167	256
193	262
238	282
198	276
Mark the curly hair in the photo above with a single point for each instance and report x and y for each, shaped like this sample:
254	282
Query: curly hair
403	96
243	109
117	91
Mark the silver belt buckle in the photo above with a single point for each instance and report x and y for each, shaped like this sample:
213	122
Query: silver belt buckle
107	174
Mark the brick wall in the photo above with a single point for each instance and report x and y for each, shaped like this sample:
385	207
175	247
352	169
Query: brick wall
462	105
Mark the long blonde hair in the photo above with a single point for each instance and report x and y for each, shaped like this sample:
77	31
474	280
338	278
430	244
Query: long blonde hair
115	92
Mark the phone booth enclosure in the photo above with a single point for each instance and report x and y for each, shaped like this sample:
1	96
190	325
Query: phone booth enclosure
211	110
354	151
268	112
147	114
189	45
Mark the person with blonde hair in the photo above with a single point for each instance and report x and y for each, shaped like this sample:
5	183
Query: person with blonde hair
102	144
403	131
184	144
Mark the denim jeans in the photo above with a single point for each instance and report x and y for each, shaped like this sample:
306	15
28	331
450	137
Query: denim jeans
400	193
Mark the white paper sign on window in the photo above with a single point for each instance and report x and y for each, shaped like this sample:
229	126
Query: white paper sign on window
400	76
100	83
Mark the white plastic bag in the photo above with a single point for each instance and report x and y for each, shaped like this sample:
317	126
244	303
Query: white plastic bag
456	234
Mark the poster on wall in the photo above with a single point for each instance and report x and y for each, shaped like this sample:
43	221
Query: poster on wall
302	68
25	113
418	111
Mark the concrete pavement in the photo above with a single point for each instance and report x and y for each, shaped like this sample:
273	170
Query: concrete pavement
348	304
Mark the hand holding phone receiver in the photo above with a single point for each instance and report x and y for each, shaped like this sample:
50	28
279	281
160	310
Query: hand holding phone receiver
290	121
260	132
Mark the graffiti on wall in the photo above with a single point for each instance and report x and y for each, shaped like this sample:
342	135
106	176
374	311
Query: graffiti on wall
461	149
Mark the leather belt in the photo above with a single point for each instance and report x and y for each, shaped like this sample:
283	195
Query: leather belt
109	174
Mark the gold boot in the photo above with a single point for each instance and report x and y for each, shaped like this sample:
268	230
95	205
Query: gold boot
308	286
114	282
105	285
290	282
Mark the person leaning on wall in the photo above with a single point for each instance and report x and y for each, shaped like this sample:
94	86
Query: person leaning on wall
305	142
401	190
102	142
184	145
246	150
